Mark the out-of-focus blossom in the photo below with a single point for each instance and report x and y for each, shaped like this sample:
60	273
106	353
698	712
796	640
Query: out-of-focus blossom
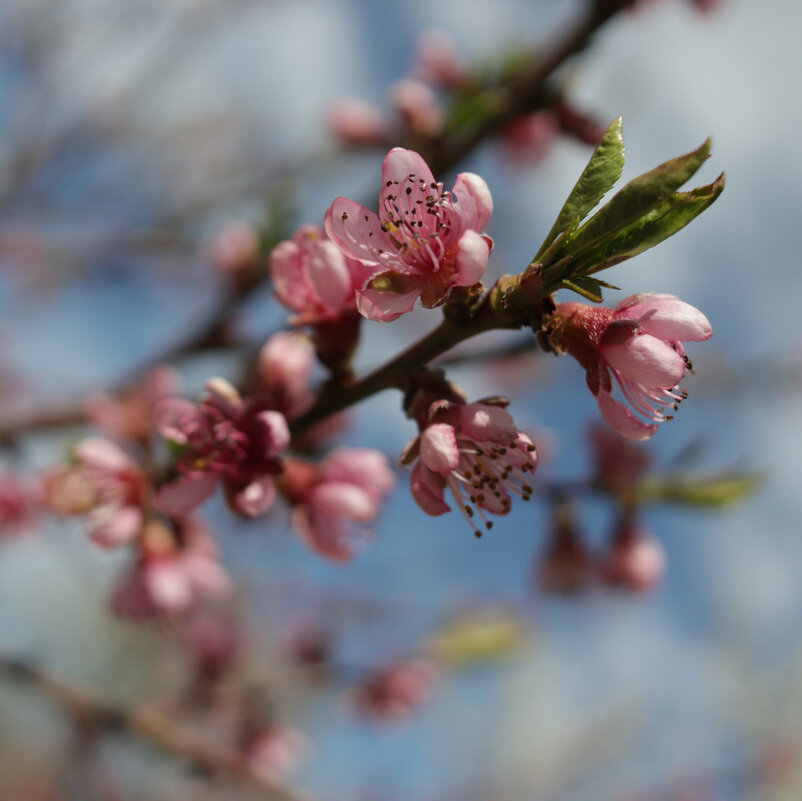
529	138
285	365
20	504
177	570
129	416
618	462
640	345
107	486
227	438
636	559
418	106
437	61
396	691
275	753
336	499
211	641
475	451
313	277
565	565
235	248
356	122
423	242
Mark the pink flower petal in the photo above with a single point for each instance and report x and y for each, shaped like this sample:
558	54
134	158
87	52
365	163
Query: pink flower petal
474	201
328	275
186	493
438	448
357	231
103	454
399	164
365	467
473	253
339	499
118	528
621	419
485	423
645	360
278	431
427	490
384	307
174	416
256	497
667	317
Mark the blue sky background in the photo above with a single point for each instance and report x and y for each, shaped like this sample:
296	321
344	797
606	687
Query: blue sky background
611	694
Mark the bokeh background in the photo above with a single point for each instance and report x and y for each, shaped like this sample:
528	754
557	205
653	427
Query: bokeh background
133	131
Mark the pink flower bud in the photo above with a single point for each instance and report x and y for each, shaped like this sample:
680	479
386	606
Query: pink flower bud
418	106
357	123
636	559
235	249
437	61
395	691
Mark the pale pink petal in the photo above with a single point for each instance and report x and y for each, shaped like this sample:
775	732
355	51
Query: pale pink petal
223	395
496	504
621	419
278	431
365	467
384	307
327	536
399	164
205	575
438	448
168	585
103	454
473	253
428	491
173	417
115	527
485	423
667	317
256	497
287	274
474	201
329	276
186	493
357	231
338	499
645	360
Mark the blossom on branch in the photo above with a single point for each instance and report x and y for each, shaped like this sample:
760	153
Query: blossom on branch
334	500
423	242
107	486
313	277
227	438
639	343
475	451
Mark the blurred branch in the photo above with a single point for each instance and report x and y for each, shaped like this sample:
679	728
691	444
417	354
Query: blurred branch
150	726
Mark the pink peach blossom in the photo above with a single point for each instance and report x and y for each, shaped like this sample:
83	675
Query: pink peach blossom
475	451
313	277
235	248
178	568
636	559
285	364
418	106
395	691
423	242
640	345
356	122
336	499
437	61
227	438
107	486
20	505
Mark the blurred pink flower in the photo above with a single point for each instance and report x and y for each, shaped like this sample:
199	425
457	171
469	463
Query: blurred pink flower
423	242
20	504
274	753
334	500
476	451
107	486
285	365
529	138
129	416
418	106
225	438
235	248
177	570
356	122
635	560
313	277
437	60
640	344
395	691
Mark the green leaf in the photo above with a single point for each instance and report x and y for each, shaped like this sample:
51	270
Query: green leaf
599	176
710	491
639	197
583	285
663	221
484	636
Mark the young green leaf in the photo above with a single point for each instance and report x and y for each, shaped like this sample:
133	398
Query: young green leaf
713	491
599	176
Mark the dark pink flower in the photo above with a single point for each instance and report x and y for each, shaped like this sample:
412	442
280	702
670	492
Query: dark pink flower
395	691
20	504
636	559
564	566
227	438
423	242
475	451
640	345
313	277
107	486
178	568
336	499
